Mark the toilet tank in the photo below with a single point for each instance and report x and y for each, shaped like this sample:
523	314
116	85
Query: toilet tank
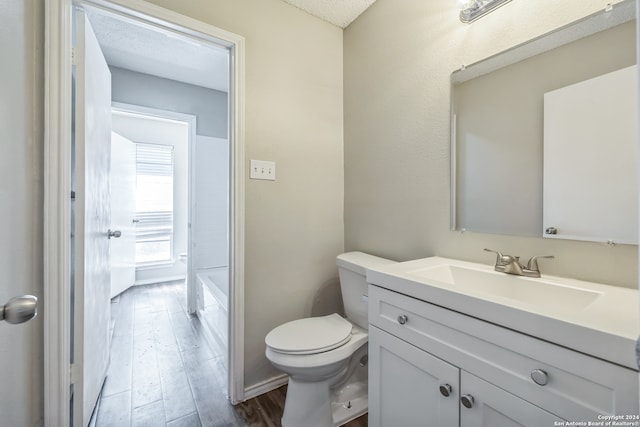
352	268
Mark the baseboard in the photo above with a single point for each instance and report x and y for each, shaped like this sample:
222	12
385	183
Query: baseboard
158	280
265	386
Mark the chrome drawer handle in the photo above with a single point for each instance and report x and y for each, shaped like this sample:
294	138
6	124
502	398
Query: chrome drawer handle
539	377
402	319
445	390
467	400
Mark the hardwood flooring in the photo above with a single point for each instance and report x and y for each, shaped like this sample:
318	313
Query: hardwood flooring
164	372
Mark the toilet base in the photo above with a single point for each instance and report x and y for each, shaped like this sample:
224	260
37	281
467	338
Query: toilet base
350	402
314	404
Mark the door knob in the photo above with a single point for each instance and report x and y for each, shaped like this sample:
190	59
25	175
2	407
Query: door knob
116	234
19	309
402	319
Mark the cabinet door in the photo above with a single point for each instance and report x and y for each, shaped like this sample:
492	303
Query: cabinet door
494	407
404	385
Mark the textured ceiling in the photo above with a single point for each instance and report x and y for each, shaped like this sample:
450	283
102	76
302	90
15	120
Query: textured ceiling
134	46
337	12
145	49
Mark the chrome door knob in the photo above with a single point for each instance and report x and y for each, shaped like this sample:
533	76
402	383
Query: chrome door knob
539	377
19	309
402	319
467	400
445	390
116	233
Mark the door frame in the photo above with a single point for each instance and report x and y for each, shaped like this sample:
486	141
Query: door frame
191	120
58	373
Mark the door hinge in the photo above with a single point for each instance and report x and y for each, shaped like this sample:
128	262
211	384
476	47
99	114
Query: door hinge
74	373
73	195
73	56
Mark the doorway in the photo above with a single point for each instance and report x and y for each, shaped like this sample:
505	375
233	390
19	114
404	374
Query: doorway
171	26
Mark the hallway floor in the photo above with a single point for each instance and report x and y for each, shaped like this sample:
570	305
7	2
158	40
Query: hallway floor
164	373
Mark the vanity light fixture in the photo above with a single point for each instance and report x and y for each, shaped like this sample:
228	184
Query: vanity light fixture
470	10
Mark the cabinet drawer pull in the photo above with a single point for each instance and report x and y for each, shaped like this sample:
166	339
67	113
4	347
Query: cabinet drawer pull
467	400
445	390
402	319
539	377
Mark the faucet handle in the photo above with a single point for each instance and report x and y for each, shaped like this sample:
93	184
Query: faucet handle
533	262
498	256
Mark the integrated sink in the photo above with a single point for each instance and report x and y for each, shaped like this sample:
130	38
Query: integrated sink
548	293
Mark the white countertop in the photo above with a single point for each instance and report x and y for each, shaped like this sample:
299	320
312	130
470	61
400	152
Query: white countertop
606	326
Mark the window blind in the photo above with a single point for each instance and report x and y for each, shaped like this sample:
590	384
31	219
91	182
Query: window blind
154	203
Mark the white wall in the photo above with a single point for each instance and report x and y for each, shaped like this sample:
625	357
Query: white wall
21	206
398	60
293	115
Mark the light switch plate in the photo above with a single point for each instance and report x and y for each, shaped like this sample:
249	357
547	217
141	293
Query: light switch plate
262	169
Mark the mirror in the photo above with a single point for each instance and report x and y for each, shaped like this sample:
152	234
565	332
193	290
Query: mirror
500	136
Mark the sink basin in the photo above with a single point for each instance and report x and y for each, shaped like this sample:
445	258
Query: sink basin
526	290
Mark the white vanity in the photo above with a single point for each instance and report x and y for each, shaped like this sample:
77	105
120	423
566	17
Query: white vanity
456	343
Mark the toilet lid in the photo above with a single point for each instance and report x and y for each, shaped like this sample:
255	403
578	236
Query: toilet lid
311	335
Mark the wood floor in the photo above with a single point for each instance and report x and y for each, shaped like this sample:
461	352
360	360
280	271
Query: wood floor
164	372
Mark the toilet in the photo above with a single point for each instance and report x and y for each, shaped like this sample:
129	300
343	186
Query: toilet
326	357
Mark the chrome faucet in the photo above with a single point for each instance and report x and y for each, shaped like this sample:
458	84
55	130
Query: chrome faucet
511	264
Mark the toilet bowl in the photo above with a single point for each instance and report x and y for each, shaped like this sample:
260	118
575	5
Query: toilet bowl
326	357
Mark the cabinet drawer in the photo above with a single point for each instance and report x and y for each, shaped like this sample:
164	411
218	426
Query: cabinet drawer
579	387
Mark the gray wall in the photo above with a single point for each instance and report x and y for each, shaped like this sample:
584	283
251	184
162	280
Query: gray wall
500	130
208	105
398	58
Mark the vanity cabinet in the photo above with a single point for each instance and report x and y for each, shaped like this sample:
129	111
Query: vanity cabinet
427	364
410	387
404	384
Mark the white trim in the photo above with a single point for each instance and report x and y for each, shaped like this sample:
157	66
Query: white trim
265	386
57	184
235	355
57	216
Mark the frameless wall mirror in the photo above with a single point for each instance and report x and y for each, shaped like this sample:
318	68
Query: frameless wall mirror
543	136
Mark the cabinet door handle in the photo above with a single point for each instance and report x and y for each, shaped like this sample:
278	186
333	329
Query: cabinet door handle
539	377
445	390
402	319
467	400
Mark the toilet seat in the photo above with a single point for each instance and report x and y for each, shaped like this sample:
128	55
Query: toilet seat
311	335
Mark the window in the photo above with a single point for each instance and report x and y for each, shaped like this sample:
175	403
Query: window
154	203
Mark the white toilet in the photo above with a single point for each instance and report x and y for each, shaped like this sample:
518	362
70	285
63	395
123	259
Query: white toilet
326	357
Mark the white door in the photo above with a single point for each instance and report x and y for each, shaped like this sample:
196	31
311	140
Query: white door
123	211
92	283
20	209
405	385
485	405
